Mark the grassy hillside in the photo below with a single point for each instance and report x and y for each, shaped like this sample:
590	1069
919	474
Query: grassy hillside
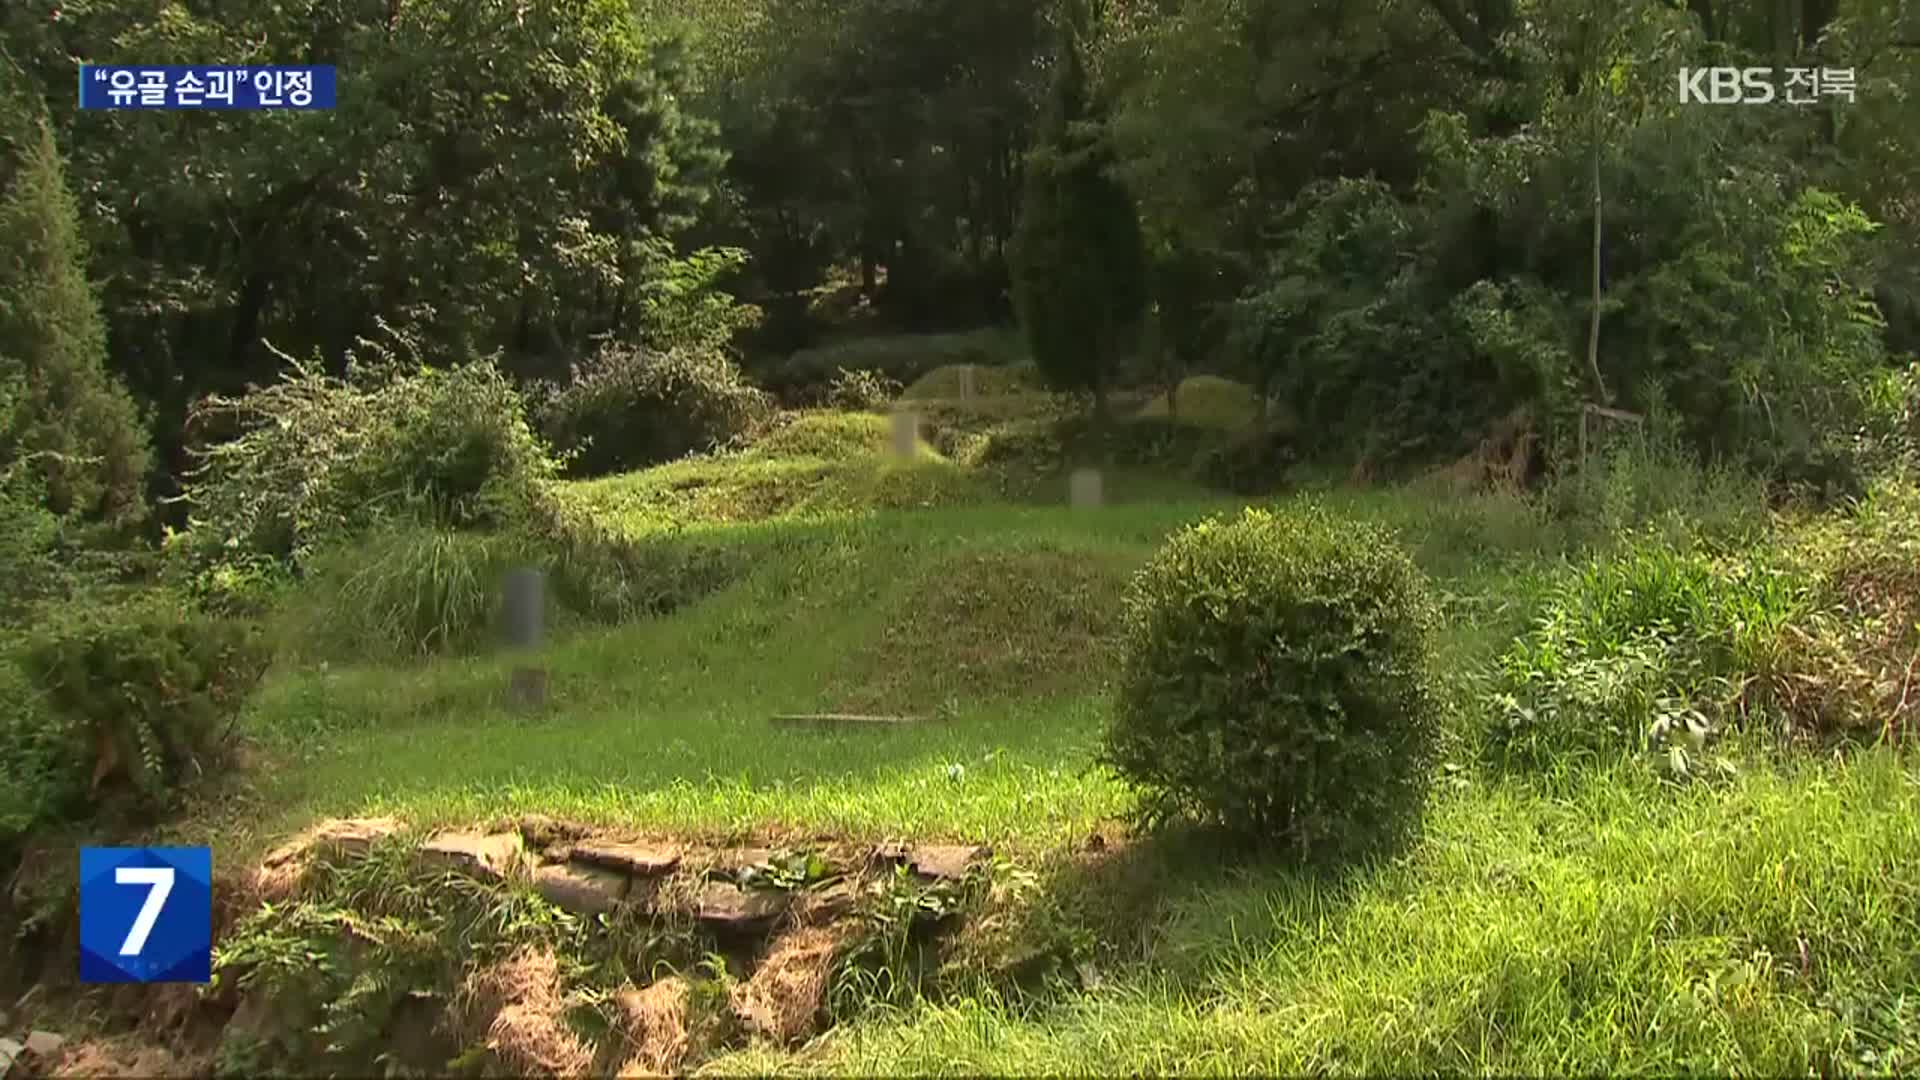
1587	919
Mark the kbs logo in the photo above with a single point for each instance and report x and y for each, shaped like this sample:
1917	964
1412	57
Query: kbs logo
146	914
1758	86
1726	86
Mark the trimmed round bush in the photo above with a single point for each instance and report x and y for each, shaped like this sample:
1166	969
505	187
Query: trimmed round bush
1278	683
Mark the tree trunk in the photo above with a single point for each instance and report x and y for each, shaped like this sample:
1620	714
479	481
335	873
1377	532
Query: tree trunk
1593	318
246	321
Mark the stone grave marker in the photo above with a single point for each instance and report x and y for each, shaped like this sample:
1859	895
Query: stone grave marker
1087	488
525	618
906	433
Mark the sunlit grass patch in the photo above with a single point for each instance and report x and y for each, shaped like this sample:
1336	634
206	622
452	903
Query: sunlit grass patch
1208	401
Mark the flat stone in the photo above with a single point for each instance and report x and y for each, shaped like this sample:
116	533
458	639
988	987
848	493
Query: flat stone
348	838
833	901
946	862
642	859
542	830
44	1044
746	858
728	906
489	858
580	888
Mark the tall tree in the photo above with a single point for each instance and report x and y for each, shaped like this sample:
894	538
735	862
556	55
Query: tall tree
1079	261
67	420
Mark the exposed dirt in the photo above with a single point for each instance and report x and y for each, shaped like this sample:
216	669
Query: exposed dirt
657	1024
529	1029
784	999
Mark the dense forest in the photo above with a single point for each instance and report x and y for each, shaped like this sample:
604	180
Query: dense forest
1404	220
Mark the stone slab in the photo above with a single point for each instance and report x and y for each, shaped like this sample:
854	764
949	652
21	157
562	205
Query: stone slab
490	858
348	838
646	860
581	888
727	906
946	862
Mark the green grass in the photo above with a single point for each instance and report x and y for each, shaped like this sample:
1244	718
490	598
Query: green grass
850	476
994	619
1209	401
947	381
1767	926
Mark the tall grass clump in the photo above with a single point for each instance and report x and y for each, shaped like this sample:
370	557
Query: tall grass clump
1278	681
1646	478
1809	633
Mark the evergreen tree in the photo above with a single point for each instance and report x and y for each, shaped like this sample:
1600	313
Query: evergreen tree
1079	261
68	422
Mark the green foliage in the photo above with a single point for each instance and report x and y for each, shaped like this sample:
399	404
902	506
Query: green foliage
63	418
823	434
146	689
29	566
862	391
43	768
1256	462
1809	634
416	590
1645	478
404	589
499	179
1278	681
1079	264
314	458
684	304
627	408
907	358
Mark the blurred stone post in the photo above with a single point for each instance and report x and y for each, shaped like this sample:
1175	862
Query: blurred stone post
1088	489
525	612
906	433
966	382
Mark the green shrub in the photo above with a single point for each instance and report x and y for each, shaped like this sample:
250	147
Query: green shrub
1646	478
313	458
146	690
29	569
627	408
1804	635
1277	681
1255	462
862	391
1626	643
43	768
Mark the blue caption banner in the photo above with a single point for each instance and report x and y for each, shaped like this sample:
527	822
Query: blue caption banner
146	915
216	86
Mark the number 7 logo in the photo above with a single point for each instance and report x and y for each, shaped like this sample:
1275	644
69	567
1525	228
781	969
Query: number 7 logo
146	915
159	880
